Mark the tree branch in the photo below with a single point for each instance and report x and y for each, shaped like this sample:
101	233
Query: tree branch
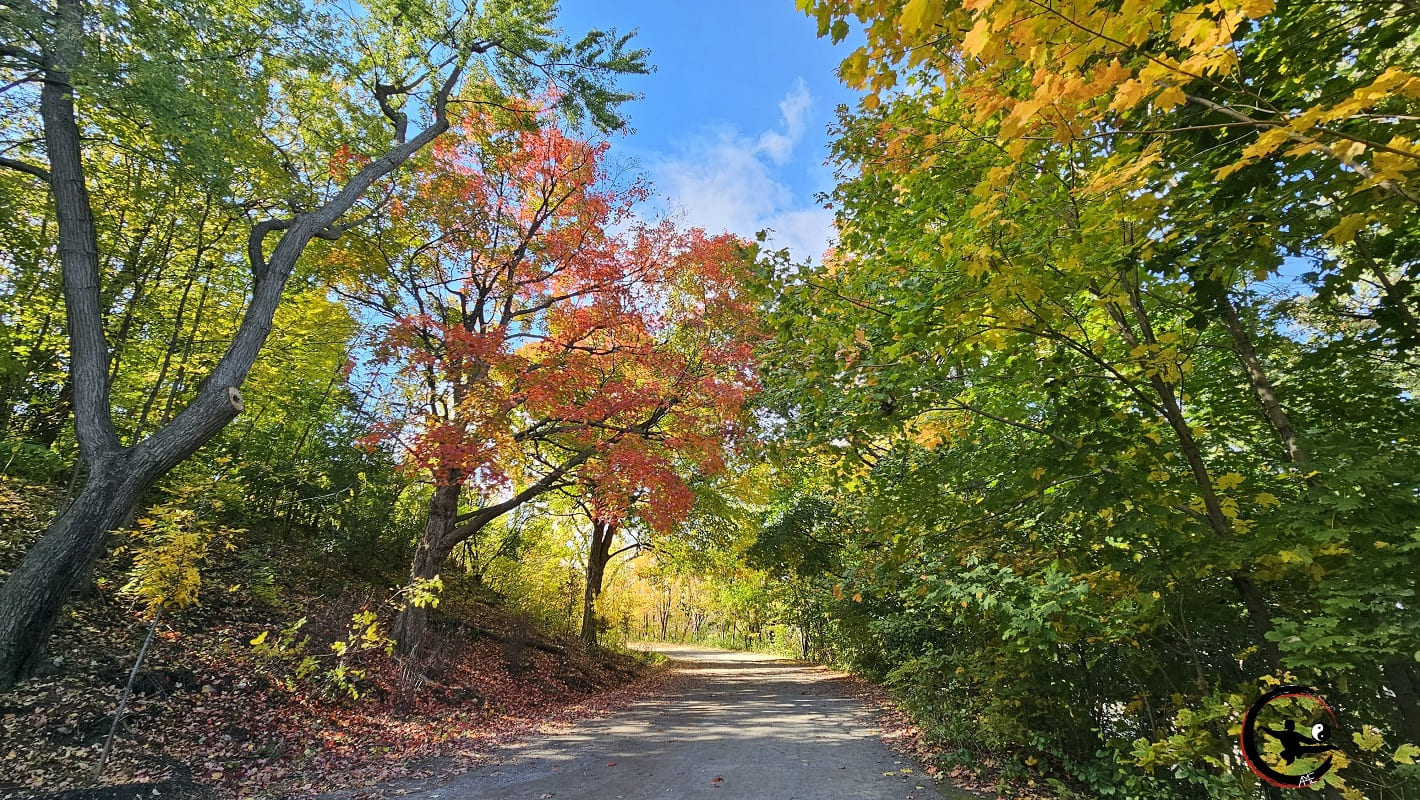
255	252
383	93
21	54
24	166
1361	169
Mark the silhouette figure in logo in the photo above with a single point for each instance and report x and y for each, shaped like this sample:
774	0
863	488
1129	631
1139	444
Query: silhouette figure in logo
1295	745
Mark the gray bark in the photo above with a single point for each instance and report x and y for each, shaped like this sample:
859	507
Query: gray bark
1262	389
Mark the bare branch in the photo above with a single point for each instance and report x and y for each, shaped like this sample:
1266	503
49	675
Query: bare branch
383	93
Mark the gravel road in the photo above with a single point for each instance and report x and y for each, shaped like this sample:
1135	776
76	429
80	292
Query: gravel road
740	725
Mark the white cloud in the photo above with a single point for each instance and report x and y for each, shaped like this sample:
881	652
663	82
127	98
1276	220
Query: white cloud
806	232
726	180
794	109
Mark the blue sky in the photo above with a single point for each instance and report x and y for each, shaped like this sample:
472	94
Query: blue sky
732	127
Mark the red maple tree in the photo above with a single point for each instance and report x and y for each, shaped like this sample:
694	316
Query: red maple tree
538	336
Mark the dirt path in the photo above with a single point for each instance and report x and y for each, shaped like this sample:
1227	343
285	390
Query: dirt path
741	725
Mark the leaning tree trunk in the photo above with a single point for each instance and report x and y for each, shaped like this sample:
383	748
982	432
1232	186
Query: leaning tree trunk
435	543
603	534
1262	388
35	592
33	595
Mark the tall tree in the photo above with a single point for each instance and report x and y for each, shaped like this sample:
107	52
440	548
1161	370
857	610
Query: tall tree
536	346
262	76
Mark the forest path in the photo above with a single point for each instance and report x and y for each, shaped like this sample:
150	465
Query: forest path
737	725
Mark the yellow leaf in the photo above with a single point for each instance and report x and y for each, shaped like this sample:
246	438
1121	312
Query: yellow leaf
977	37
1229	507
1018	117
918	15
1345	230
1110	75
1169	98
1128	96
854	69
1230	481
1266	499
1368	738
1000	176
1258	8
1267	141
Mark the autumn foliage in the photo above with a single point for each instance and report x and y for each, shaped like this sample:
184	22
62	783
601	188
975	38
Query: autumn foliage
538	335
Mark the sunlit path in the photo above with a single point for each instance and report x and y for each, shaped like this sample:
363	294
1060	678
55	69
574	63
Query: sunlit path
741	725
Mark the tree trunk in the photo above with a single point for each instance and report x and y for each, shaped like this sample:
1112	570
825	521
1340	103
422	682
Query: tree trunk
603	534
435	544
445	529
1259	616
1401	681
35	592
1261	385
663	614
